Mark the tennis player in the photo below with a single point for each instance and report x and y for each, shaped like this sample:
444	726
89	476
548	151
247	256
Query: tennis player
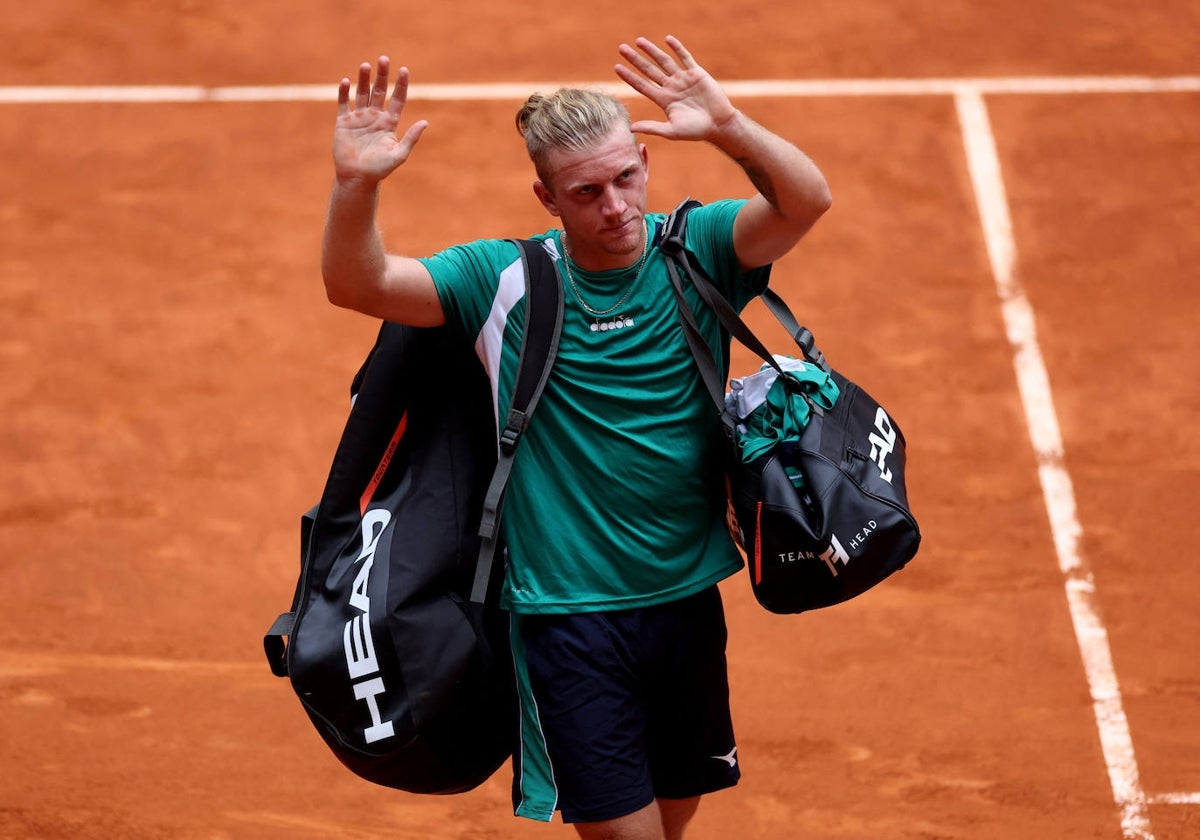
615	512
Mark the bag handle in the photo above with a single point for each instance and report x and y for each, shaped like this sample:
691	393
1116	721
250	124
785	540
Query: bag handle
679	261
702	352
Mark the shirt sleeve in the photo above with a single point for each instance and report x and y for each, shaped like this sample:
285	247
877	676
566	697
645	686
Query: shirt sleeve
467	278
709	236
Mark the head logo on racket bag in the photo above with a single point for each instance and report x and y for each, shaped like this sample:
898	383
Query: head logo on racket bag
360	646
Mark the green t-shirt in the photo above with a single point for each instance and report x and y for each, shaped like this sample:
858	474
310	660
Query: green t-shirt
616	498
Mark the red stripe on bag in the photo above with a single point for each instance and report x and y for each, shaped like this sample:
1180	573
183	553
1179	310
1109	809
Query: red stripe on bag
758	543
377	477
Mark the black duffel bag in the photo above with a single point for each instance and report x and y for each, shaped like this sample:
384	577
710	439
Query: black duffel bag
822	517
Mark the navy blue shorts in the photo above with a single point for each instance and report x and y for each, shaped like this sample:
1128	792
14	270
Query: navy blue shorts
620	708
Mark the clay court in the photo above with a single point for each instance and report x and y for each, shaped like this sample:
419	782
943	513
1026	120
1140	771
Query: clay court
1010	266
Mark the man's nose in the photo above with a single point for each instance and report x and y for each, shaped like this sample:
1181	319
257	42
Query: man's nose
614	202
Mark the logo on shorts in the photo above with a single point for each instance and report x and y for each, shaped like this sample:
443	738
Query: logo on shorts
729	758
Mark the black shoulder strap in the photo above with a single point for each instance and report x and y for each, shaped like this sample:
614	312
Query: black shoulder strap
543	328
680	262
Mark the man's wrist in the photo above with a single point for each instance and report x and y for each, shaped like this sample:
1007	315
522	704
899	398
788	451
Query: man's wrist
731	135
352	185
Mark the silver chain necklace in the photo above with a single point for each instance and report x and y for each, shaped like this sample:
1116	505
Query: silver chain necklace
597	313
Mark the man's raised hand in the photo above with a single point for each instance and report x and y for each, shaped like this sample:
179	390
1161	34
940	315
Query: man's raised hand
366	147
695	105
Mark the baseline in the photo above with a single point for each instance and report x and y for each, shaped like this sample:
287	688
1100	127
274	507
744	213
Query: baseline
51	94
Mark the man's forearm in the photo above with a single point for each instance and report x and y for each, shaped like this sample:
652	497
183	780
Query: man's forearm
352	256
360	275
783	175
792	192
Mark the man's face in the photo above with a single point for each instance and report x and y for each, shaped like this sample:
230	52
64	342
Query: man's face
600	196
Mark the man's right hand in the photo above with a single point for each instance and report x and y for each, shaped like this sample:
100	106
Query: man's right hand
366	148
358	273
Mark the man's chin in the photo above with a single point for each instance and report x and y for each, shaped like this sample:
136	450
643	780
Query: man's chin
627	243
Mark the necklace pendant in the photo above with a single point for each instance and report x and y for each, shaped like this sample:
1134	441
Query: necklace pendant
618	323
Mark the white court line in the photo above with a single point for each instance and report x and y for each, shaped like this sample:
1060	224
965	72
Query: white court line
517	91
1059	495
1175	799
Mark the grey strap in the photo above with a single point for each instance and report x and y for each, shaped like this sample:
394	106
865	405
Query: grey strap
543	328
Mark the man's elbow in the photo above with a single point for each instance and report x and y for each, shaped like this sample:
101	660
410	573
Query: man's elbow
821	200
340	293
415	310
798	217
817	203
348	292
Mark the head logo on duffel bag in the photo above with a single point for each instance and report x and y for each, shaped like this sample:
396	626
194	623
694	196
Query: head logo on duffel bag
883	443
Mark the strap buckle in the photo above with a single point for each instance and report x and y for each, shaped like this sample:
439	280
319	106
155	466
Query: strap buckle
517	421
673	230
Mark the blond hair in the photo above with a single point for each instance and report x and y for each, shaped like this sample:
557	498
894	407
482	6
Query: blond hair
570	119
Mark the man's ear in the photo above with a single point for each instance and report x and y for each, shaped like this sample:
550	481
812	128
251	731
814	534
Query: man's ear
545	197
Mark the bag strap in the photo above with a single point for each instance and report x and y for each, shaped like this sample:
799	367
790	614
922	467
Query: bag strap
543	328
273	642
680	263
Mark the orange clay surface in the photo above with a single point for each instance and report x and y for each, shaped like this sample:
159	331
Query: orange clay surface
174	383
